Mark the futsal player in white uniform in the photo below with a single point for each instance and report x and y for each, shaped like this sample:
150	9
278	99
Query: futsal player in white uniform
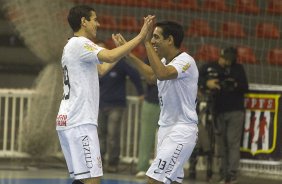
176	75
77	117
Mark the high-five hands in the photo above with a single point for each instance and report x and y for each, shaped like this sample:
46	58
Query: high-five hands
149	33
145	33
147	26
118	39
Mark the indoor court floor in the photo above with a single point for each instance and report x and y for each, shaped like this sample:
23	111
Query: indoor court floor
58	175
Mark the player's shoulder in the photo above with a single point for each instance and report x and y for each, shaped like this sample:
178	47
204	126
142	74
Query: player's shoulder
82	43
75	42
79	40
184	56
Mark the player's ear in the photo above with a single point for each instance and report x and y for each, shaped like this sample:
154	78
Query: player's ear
83	21
171	39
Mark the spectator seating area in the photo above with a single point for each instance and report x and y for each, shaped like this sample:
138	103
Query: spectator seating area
209	25
238	6
199	27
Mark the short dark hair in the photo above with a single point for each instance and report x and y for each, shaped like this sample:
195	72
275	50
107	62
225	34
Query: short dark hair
230	54
174	29
75	15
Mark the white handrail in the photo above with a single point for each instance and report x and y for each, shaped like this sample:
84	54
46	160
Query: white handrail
12	109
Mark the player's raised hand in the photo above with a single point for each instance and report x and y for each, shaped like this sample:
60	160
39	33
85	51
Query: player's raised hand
149	34
147	26
115	39
118	39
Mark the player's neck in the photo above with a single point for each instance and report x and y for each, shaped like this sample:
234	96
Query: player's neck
172	54
82	33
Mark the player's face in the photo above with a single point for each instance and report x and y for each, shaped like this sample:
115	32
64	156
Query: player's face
92	25
158	42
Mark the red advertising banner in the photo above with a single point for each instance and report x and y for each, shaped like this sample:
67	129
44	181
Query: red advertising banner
261	128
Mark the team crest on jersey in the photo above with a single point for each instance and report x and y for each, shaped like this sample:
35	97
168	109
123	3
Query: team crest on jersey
185	67
89	47
61	120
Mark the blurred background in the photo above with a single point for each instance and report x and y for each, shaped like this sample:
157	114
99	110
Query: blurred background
253	25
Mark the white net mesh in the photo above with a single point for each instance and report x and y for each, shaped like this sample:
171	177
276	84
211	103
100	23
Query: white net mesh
39	136
254	26
42	25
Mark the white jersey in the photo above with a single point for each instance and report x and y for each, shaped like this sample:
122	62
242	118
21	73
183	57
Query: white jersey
178	96
80	102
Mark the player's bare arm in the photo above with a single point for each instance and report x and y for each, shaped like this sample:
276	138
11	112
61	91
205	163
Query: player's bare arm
161	71
104	68
145	70
110	56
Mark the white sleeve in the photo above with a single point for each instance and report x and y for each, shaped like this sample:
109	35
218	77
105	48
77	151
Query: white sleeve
89	52
182	66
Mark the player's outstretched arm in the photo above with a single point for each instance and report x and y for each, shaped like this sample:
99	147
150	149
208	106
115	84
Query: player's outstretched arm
110	56
104	68
144	69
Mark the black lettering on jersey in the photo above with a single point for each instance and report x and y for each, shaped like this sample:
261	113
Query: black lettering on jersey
66	83
161	101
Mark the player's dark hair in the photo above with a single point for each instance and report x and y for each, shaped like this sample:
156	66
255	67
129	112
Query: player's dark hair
75	15
174	29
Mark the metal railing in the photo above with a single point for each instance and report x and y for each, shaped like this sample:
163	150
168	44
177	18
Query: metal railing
15	103
130	131
13	106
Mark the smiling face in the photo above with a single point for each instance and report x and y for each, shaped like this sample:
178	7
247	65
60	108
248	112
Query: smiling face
159	43
90	26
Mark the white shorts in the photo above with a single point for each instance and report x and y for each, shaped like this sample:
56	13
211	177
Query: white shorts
80	146
175	145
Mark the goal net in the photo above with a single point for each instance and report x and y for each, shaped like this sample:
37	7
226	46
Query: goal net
43	27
